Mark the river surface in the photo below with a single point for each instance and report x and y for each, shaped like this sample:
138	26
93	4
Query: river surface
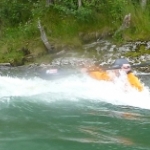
72	113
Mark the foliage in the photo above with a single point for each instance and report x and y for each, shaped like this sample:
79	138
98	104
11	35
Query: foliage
64	21
14	12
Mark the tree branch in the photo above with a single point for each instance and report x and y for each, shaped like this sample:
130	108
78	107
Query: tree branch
44	38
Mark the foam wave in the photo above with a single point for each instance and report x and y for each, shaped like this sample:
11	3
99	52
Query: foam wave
75	87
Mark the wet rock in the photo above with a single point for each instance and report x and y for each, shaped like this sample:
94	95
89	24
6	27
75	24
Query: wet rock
106	51
5	64
147	56
147	47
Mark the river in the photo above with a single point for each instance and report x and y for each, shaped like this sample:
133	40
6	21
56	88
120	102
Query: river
72	113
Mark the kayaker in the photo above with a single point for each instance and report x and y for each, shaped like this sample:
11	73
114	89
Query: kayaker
120	66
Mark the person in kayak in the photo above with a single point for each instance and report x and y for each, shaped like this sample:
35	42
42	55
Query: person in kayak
120	65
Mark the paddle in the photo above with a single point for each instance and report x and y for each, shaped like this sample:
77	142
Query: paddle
133	66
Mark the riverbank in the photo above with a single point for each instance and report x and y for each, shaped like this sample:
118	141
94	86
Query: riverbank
66	32
101	52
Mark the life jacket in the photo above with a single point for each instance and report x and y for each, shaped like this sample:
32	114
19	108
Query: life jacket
103	75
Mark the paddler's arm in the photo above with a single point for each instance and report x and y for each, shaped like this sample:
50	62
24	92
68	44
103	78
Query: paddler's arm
99	75
135	82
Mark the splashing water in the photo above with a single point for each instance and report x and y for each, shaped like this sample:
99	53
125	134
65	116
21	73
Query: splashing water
74	88
72	112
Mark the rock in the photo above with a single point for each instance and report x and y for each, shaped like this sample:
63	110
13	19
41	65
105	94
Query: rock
5	64
147	56
148	46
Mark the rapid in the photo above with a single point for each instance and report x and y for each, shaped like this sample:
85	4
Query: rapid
73	112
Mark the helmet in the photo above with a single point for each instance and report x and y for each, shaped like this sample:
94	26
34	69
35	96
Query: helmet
119	62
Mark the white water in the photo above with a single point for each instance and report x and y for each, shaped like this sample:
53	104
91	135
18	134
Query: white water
74	88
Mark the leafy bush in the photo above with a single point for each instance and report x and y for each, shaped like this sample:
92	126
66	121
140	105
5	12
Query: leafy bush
13	12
